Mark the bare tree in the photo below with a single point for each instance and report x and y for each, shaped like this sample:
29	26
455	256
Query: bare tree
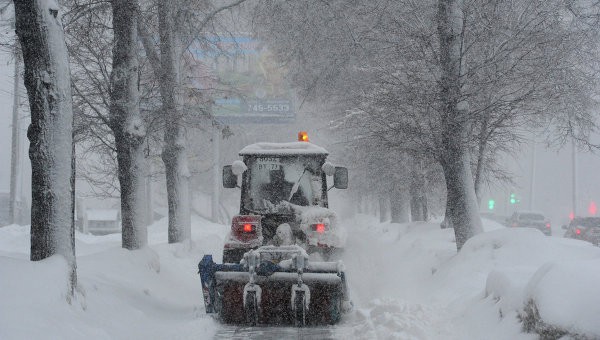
173	155
127	123
463	210
178	27
90	38
47	79
441	79
89	33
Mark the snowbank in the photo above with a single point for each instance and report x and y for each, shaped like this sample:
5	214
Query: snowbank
152	293
562	297
481	292
32	293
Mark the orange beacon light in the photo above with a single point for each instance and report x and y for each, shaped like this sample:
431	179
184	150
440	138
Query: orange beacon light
302	136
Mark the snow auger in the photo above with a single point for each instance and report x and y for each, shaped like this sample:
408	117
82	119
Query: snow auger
294	291
280	260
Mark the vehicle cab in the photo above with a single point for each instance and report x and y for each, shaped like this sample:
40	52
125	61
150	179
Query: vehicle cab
283	197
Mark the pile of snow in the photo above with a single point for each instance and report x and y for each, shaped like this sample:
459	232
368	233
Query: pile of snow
485	291
153	293
406	281
562	298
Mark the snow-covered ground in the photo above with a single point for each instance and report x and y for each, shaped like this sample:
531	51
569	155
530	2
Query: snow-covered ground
407	282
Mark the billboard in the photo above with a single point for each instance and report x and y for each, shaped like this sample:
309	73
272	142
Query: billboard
243	78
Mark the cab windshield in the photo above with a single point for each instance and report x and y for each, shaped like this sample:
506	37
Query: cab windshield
279	179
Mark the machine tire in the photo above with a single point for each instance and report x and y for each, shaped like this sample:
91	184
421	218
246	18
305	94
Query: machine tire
251	309
335	310
299	310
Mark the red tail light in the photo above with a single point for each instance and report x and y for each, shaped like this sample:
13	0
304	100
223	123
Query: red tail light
319	227
246	227
578	231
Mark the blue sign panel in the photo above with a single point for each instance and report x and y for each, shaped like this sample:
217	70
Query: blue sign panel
247	85
258	111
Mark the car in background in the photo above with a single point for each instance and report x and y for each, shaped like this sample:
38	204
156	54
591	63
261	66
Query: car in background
584	228
529	219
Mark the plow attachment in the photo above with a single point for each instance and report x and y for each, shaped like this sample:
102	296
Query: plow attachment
275	285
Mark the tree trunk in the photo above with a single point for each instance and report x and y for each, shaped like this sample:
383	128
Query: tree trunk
462	205
425	208
173	155
359	205
383	204
416	209
399	205
372	205
48	83
462	209
481	148
446	223
128	125
418	200
479	168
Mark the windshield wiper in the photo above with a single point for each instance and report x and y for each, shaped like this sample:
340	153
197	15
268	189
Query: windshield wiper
296	185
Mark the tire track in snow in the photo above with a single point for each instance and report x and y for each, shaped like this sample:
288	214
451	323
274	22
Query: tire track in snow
387	304
391	319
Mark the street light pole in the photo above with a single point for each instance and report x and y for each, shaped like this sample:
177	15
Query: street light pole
15	154
532	183
574	179
216	174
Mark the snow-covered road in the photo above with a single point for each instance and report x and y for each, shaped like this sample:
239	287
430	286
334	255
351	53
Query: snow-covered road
406	282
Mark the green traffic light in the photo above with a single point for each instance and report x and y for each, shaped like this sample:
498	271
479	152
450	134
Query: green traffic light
513	198
491	204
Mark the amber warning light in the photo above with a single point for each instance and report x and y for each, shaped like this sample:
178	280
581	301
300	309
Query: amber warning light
302	136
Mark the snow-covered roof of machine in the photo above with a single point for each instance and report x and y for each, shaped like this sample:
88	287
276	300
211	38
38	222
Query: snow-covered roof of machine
293	148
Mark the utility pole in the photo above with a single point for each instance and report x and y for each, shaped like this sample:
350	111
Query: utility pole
15	154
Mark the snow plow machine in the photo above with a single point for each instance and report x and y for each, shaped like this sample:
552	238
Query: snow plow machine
281	258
